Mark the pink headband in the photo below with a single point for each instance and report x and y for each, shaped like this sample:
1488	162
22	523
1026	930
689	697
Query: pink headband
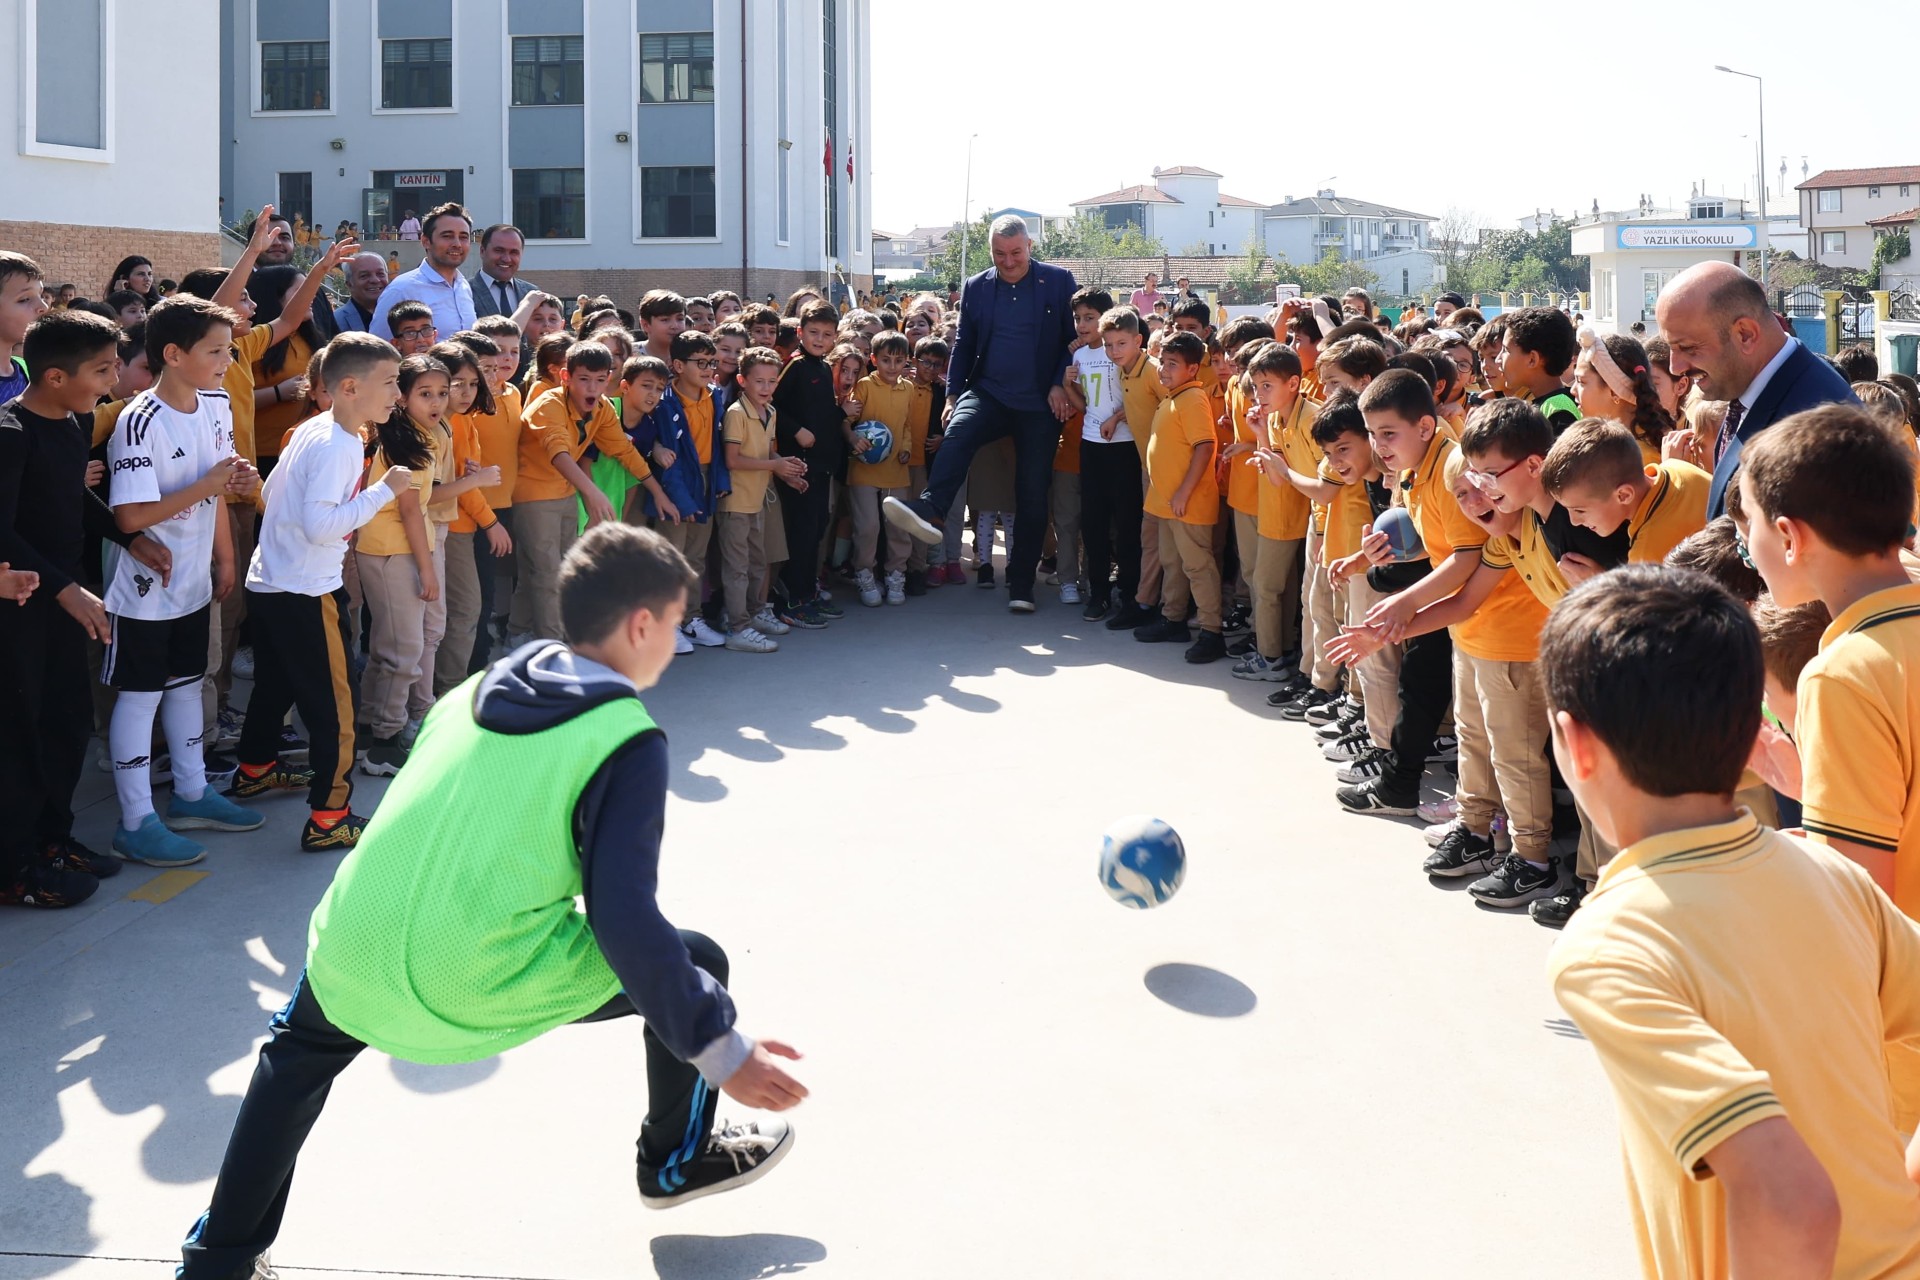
1604	364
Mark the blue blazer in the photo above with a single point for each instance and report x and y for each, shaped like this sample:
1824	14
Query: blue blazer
1056	286
1804	381
693	492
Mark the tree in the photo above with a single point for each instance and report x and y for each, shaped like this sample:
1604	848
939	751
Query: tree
1087	235
946	265
1456	238
1334	274
1251	276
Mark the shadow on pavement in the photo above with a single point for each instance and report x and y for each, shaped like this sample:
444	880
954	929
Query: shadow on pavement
746	1257
1195	988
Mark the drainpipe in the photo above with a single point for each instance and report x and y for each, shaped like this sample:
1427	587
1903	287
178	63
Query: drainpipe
744	291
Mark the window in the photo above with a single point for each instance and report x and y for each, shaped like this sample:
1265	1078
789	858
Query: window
1603	293
68	95
296	197
1405	286
1830	201
1833	242
1873	193
416	74
547	71
1209	217
294	76
1905	187
676	202
677	68
784	156
830	104
551	204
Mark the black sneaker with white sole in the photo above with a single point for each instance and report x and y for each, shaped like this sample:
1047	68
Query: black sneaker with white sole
1295	707
1516	882
1461	853
1348	747
1368	765
1554	912
1378	797
1328	711
1334	730
916	519
735	1155
1445	747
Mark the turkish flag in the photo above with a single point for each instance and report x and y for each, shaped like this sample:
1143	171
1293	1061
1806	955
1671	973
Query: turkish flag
826	157
849	164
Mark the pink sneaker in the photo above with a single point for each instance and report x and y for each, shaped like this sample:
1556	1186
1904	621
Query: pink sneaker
956	575
936	575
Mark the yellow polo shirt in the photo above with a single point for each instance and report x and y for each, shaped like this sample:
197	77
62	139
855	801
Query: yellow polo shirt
1348	516
891	403
1182	424
754	434
1243	481
1726	975
1284	510
550	429
499	435
1528	552
386	533
1443	526
1140	395
1671	512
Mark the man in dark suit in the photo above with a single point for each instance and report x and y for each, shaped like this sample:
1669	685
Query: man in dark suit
1005	379
1715	318
497	286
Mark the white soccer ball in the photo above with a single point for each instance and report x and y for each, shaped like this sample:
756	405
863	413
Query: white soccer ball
1142	862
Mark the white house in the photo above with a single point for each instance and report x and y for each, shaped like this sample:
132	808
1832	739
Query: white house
1304	229
1838	206
622	136
1183	209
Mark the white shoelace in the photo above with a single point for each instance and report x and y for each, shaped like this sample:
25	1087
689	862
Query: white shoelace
741	1142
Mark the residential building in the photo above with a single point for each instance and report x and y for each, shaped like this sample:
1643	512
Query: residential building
1837	207
93	173
1184	209
1903	272
1305	229
627	139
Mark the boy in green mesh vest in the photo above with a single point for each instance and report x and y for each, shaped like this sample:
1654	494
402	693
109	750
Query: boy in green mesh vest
450	932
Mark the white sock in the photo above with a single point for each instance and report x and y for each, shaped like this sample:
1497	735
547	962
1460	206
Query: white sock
130	740
186	726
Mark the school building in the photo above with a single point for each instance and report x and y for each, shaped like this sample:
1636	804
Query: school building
639	143
94	173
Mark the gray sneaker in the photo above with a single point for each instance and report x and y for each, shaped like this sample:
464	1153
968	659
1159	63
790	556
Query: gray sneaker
747	640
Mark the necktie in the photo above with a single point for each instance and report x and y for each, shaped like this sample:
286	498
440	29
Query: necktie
1729	427
506	298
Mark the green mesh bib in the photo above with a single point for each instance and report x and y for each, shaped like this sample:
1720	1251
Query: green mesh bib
450	932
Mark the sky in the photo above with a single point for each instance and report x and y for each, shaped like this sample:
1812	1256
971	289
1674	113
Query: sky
1382	100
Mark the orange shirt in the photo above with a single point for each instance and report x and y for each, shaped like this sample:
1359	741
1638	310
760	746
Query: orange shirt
551	429
273	421
700	424
1506	626
1284	510
499	435
1067	457
1348	515
919	418
474	513
1182	423
1243	481
891	403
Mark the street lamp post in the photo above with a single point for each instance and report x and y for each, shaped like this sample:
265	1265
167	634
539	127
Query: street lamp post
1765	231
966	208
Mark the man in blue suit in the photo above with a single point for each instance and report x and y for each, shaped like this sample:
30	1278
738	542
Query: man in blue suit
1005	379
1716	319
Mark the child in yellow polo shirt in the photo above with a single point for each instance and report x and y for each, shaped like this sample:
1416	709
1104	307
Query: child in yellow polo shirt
1748	1134
1123	336
1595	471
886	395
1826	496
1182	493
1271	539
1239	479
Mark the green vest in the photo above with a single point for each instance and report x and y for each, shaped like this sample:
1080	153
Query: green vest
450	933
1559	402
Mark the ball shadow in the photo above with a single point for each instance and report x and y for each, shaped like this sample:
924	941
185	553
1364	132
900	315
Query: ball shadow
1194	988
422	1078
746	1257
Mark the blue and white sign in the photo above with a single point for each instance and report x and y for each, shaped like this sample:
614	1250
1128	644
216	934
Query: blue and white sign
1684	236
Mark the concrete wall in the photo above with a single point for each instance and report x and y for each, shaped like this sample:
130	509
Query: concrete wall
150	186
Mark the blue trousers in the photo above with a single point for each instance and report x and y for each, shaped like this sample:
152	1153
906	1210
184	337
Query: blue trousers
978	420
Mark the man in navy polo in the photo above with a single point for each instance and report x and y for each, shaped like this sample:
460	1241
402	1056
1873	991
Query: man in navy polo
1005	379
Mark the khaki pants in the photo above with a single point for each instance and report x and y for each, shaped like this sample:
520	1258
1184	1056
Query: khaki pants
232	611
1318	616
917	560
1066	526
460	588
1500	709
1188	570
433	627
392	586
690	538
543	530
1149	553
1268	565
743	564
868	527
1593	852
1379	675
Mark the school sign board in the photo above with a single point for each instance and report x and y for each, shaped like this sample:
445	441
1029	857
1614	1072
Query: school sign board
1683	236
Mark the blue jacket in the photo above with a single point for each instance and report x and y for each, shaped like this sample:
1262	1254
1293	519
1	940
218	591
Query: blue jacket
1803	381
1056	286
695	494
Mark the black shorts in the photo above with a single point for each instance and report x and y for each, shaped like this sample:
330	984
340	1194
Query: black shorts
146	655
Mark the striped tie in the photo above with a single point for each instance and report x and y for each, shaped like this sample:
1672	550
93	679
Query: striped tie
1729	427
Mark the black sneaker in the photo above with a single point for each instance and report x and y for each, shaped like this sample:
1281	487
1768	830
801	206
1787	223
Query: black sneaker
278	777
985	575
1445	748
1241	645
1369	764
1378	797
916	582
292	746
1208	646
735	1155
1130	615
916	518
826	608
1460	853
1335	729
1161	631
343	834
385	756
69	854
1238	621
1554	912
1094	610
1020	601
43	885
1348	746
1515	883
1297	707
1328	711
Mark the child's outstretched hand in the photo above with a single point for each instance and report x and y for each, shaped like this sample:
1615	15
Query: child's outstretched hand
17	585
764	1084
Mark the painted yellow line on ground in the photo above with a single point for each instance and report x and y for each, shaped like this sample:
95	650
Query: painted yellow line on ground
166	886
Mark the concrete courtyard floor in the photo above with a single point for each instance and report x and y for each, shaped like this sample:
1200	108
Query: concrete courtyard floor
1312	1063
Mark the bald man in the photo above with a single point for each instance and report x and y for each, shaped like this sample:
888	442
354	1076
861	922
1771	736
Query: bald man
366	280
1715	319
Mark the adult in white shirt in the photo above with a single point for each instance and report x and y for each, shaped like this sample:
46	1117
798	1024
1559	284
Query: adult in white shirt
437	280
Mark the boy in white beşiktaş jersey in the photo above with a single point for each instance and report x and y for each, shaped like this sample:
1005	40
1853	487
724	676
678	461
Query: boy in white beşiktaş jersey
1110	490
169	462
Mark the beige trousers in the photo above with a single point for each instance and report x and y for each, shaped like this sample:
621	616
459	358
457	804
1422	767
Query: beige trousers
1189	571
1318	616
397	639
1380	674
743	564
1268	565
460	589
543	531
1500	711
868	527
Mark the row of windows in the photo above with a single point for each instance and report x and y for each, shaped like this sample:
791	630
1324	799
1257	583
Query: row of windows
551	204
547	71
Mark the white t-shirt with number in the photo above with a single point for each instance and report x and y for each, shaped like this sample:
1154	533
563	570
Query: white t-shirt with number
1099	379
157	450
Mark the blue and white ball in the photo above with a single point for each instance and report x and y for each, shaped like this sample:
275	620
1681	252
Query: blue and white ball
1142	862
876	441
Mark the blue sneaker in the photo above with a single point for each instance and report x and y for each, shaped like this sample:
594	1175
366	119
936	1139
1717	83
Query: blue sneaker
156	846
211	812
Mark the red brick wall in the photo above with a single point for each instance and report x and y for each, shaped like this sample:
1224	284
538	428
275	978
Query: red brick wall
84	256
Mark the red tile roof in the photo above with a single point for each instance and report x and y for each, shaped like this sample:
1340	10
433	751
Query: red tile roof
1829	178
1138	194
1899	219
1185	171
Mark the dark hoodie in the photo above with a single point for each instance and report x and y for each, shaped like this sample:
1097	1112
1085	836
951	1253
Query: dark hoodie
616	828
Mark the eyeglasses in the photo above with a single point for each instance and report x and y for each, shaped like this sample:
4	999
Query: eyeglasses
1746	552
1485	481
708	363
413	333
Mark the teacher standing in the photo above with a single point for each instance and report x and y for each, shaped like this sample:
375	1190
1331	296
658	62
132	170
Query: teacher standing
1005	379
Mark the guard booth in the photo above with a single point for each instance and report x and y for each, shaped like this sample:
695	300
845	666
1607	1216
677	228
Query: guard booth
1632	259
